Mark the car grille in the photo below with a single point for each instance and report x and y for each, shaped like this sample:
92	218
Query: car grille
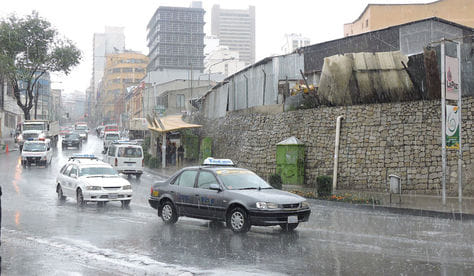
291	206
30	135
33	159
112	188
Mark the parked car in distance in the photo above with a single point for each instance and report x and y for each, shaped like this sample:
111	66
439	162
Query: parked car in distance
38	152
218	191
109	137
72	140
126	157
88	179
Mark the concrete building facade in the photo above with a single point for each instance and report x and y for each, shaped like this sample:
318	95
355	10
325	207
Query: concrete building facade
380	16
293	41
176	38
121	71
235	29
109	42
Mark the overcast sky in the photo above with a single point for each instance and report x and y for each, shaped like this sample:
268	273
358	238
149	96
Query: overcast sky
79	20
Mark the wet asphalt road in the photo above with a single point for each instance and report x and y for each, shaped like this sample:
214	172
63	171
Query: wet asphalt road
42	237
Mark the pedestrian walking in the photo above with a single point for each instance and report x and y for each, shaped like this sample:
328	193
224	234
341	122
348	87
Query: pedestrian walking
173	154
180	155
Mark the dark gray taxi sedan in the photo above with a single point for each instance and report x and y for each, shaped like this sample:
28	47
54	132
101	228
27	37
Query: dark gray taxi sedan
234	195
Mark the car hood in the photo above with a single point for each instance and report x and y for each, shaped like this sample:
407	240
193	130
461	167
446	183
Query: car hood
105	181
269	195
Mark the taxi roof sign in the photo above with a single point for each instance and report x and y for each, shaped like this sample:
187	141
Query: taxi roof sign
83	156
218	162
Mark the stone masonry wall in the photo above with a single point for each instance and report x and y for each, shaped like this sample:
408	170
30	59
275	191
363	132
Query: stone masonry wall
376	140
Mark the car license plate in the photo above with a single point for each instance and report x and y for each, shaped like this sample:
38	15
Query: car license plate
293	219
113	196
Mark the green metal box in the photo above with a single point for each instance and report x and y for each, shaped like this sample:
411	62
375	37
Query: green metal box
290	156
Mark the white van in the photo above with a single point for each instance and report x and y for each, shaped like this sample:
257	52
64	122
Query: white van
109	137
126	158
38	152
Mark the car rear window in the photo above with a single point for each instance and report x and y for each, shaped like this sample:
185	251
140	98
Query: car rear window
131	152
111	137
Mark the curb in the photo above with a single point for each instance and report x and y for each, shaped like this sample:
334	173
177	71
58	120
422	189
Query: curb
399	210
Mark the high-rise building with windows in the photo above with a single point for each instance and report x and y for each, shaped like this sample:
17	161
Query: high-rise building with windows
236	30
176	38
110	42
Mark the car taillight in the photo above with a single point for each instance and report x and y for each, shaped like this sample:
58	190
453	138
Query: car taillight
116	162
143	162
151	192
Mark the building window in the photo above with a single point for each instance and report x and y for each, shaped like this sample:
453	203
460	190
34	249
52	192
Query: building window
367	23
127	70
116	70
180	101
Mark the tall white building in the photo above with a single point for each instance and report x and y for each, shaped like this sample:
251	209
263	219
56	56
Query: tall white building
235	29
110	42
291	42
222	62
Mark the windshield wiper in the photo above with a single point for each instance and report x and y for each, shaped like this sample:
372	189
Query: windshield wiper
249	188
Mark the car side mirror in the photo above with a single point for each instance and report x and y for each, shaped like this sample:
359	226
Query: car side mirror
73	175
215	187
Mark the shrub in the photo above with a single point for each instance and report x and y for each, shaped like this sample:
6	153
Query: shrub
275	181
153	162
146	157
324	185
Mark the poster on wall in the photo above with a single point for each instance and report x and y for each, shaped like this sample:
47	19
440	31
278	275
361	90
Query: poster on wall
452	127
452	78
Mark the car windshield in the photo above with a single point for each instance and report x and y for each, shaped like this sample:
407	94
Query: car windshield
81	127
71	136
129	152
102	171
241	179
34	147
112	137
33	127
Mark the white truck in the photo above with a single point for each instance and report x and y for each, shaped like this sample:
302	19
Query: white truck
38	129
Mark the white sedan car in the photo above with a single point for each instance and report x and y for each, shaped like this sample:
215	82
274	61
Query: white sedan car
87	179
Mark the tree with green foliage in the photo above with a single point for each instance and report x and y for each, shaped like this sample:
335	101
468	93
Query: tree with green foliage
29	48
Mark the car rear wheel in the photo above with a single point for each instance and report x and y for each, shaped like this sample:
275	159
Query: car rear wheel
138	175
238	220
61	196
100	204
288	226
168	213
80	198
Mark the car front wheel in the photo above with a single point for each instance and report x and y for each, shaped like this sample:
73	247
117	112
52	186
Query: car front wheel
61	196
125	204
168	213
238	220
80	198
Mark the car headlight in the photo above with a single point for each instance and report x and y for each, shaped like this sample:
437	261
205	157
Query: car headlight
304	204
93	187
266	205
127	187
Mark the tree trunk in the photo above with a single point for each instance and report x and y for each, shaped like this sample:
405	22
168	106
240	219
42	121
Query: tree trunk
24	107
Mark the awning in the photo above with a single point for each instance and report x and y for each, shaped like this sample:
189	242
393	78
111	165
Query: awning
169	123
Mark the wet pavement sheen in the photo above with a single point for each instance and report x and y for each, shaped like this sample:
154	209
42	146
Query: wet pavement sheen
42	236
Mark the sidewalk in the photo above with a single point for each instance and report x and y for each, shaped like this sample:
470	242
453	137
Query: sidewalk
417	205
410	204
11	145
